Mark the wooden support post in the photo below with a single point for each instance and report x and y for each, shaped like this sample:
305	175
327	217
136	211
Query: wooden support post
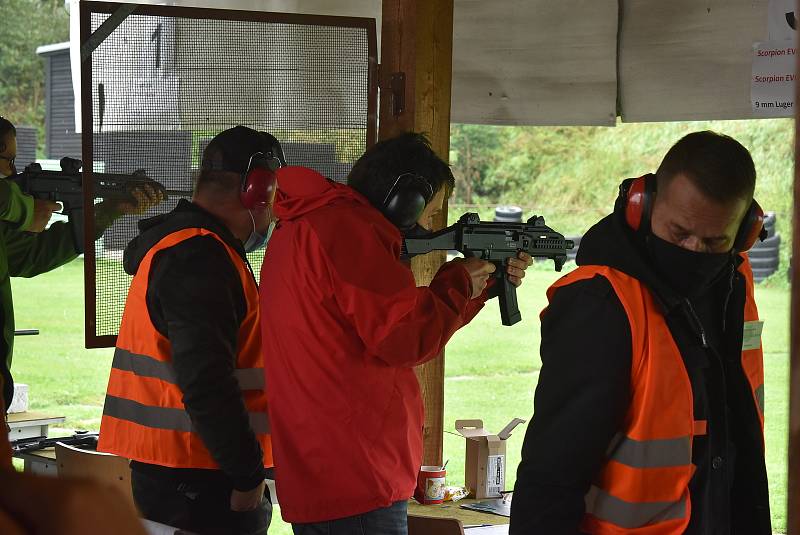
793	496
415	80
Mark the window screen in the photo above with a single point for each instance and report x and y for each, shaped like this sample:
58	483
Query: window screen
166	80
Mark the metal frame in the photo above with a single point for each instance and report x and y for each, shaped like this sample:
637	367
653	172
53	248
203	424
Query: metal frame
793	468
48	104
89	7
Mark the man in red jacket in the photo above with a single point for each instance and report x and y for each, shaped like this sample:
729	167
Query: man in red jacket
344	324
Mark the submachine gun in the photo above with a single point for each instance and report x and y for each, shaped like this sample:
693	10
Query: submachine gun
66	187
80	438
495	242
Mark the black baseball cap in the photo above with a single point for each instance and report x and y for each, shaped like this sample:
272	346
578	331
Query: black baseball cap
231	149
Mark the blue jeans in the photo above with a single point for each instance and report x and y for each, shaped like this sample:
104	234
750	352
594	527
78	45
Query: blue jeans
392	520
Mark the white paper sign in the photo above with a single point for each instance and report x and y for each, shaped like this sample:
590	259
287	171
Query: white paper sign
782	20
752	335
495	476
772	84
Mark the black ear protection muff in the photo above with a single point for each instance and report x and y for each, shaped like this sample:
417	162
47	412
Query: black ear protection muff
406	200
636	198
259	182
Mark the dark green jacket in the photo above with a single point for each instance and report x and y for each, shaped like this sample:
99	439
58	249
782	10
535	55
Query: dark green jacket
23	254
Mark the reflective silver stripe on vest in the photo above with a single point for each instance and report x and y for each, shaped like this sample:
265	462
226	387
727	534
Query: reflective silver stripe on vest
144	366
155	417
760	398
166	417
630	515
661	453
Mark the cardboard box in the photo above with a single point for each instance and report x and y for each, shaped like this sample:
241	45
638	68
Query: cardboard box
485	465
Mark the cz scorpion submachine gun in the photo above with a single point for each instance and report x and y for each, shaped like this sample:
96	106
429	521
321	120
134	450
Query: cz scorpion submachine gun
495	242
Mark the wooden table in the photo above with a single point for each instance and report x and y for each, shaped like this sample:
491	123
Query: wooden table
30	424
453	510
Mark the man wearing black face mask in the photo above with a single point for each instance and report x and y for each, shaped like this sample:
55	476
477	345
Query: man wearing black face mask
649	407
185	399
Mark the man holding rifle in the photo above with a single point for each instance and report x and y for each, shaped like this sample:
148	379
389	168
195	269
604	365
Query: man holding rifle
344	323
28	249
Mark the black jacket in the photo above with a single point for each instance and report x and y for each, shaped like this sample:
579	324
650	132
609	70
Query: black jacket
196	300
584	391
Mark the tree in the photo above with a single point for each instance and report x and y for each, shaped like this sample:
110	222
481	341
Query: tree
475	151
28	24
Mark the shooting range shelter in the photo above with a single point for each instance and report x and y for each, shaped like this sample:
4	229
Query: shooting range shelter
539	62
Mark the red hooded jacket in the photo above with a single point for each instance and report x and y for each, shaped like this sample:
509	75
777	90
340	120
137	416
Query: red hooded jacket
343	325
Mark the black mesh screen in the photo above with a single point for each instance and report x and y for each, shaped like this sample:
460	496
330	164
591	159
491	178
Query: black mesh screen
167	80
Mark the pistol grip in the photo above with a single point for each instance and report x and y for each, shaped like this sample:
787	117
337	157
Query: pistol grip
509	309
75	216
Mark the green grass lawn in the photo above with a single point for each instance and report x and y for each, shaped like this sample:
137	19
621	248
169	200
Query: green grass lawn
491	370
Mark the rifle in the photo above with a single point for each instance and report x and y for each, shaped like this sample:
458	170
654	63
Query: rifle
27	445
495	242
66	187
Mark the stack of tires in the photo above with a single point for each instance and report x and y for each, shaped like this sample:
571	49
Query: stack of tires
765	255
508	214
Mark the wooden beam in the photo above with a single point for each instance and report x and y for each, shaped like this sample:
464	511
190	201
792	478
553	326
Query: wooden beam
417	40
793	496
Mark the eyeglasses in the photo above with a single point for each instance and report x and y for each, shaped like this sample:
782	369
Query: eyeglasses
9	160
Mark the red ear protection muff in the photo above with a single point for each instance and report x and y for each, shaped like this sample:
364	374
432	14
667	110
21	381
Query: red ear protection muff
636	196
751	228
406	200
258	183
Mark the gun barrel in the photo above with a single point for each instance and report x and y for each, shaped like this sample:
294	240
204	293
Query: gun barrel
26	332
107	181
179	192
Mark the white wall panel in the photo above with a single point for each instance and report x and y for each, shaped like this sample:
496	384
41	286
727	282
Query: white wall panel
554	62
538	62
683	60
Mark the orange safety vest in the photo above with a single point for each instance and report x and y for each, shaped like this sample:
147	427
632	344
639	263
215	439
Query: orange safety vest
643	486
144	418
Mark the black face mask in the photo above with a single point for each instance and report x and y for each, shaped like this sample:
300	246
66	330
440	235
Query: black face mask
689	273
